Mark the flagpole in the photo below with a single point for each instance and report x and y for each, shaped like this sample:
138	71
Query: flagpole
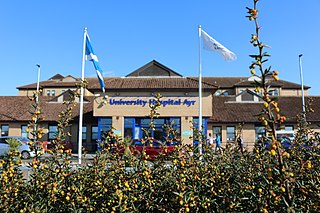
302	89
200	94
81	98
38	83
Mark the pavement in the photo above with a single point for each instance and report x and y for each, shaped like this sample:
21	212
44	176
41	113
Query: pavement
26	170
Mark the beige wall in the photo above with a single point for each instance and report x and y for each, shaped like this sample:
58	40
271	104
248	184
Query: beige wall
142	109
293	92
182	110
26	92
58	91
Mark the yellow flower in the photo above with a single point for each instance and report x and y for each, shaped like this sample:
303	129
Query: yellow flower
264	122
275	77
309	165
126	184
260	190
273	152
265	104
253	72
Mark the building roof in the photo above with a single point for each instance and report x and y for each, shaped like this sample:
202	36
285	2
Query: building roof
149	83
241	81
226	110
17	108
155	75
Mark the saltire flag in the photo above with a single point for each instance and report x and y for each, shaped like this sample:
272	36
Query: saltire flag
211	44
90	56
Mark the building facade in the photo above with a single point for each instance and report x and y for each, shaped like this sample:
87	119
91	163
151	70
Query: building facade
229	106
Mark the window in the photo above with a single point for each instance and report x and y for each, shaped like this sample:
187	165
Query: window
217	130
53	130
226	93
288	128
196	127
105	124
84	133
133	127
24	132
53	92
274	92
4	130
231	133
94	133
48	92
260	132
129	124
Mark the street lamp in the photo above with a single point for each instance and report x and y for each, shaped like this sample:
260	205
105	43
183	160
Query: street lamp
302	89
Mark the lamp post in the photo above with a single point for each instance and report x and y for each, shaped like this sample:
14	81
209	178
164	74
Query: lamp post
38	83
302	89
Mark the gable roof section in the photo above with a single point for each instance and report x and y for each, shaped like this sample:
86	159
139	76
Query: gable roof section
246	96
155	69
56	77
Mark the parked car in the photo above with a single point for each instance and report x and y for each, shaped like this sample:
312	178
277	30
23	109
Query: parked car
152	148
67	145
24	148
285	142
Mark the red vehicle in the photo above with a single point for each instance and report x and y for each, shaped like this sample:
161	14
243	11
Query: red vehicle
66	145
152	149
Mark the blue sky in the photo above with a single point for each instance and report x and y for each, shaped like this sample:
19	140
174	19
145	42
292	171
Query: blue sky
128	34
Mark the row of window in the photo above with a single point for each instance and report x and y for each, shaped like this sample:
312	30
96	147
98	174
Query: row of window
133	128
53	92
53	130
231	132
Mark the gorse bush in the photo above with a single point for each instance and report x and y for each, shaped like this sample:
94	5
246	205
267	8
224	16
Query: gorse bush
219	182
275	180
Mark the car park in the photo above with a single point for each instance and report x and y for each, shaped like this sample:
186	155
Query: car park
24	147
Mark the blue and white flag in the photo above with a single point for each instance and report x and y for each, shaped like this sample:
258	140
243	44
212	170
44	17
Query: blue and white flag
90	56
211	44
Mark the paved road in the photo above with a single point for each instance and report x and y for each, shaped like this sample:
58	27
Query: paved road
26	170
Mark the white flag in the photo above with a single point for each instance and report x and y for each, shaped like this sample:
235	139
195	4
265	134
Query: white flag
211	44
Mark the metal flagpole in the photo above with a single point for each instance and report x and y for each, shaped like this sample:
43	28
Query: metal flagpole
302	89
200	94
81	98
38	83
